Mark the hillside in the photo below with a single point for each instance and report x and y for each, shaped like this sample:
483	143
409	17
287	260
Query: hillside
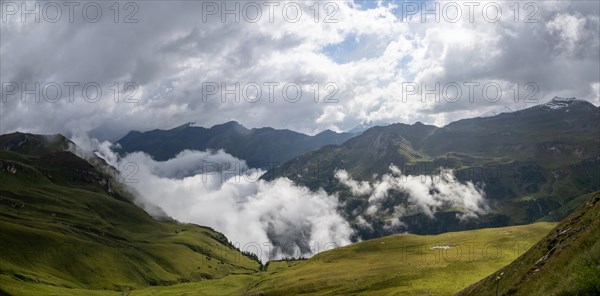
395	265
259	147
405	264
66	223
550	137
565	262
399	264
533	164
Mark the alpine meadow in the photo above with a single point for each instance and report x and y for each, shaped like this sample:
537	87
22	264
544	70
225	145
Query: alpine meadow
302	147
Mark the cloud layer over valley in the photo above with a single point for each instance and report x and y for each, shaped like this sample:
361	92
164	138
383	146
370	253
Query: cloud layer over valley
218	190
276	219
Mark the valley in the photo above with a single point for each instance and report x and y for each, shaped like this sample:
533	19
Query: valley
70	227
353	147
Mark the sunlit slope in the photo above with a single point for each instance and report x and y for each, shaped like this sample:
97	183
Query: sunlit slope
406	264
394	265
565	262
65	223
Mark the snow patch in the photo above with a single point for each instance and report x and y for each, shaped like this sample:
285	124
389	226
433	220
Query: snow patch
559	103
444	247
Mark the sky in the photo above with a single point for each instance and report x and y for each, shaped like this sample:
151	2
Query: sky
301	65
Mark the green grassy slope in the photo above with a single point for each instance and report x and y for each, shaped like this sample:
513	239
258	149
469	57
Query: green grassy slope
66	224
405	264
565	262
394	265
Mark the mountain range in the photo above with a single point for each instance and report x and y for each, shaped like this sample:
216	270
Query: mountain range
259	147
533	164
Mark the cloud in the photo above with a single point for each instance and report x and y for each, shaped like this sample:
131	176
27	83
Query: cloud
424	194
368	52
357	188
215	189
569	28
331	115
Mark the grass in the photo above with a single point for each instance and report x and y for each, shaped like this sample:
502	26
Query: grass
394	265
405	264
565	262
229	285
64	232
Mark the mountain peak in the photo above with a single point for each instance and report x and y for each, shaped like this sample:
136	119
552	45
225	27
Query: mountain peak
363	126
231	123
185	126
563	99
33	144
558	103
327	132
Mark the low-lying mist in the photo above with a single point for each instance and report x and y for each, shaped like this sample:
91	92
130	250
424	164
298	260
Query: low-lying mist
426	194
271	219
276	219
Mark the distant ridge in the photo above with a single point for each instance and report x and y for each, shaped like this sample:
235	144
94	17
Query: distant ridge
533	164
359	129
259	147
